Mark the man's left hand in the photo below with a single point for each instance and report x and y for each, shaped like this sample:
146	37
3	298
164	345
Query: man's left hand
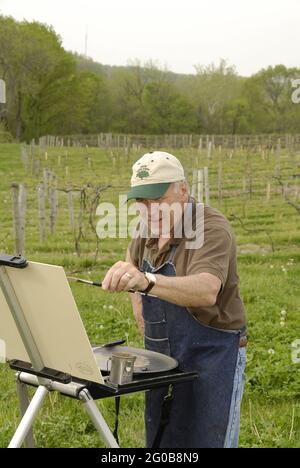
124	276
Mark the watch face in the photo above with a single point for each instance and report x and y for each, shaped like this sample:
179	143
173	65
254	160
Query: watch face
151	278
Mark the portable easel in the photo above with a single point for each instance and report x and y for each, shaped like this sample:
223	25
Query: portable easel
43	345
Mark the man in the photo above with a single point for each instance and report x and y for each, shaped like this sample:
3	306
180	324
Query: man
192	309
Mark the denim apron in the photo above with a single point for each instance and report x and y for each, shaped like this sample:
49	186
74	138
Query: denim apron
200	409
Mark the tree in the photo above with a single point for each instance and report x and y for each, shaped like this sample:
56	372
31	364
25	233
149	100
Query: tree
213	88
236	115
269	97
128	86
167	110
84	107
33	62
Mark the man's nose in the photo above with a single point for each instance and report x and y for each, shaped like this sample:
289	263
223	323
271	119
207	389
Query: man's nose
154	209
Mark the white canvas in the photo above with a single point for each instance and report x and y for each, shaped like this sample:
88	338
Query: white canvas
52	315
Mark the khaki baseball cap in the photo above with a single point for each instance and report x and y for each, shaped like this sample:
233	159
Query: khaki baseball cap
153	174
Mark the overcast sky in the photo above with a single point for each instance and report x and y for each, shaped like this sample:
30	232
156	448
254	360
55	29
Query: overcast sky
250	34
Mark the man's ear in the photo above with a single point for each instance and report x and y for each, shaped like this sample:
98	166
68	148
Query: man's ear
184	188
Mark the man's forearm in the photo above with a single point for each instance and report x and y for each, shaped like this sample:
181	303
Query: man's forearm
187	291
137	307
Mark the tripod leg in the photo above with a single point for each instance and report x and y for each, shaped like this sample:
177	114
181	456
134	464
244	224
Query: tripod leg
24	403
28	418
97	419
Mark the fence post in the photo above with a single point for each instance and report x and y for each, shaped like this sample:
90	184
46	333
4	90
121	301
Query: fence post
200	185
25	157
19	198
42	217
206	181
219	185
209	150
71	209
53	204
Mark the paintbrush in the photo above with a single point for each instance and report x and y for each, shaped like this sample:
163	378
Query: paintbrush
99	285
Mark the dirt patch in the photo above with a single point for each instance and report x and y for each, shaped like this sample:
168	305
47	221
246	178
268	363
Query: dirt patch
253	249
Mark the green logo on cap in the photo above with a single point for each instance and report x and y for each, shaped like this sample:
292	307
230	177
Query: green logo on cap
143	172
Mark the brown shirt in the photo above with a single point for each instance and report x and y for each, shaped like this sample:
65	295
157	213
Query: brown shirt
217	256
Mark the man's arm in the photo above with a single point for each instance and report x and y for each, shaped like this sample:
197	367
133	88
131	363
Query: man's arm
188	291
198	290
136	302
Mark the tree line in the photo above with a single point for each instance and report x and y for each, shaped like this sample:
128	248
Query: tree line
53	91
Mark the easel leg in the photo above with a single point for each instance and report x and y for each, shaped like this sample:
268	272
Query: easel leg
28	418
97	419
24	403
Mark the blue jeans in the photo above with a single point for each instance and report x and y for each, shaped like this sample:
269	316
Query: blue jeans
233	430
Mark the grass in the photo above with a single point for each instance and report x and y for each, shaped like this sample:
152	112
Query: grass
268	237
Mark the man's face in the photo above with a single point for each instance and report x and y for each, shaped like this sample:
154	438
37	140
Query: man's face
163	214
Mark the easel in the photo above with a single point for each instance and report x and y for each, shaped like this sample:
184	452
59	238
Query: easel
36	373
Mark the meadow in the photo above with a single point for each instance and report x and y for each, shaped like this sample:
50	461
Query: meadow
267	230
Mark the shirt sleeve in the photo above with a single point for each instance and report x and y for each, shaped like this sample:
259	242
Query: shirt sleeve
214	255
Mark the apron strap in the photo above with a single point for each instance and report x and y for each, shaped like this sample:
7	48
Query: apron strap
117	402
165	417
172	254
164	420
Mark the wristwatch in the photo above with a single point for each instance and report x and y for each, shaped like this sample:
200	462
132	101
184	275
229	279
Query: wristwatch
151	278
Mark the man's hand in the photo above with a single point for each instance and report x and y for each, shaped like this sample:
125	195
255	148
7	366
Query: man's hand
123	276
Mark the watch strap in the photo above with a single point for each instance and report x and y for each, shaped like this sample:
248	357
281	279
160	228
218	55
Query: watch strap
149	287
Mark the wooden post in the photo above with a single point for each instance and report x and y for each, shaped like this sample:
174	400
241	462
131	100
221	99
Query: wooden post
206	182
71	210
19	198
32	147
42	216
278	148
193	191
200	145
219	185
32	155
209	150
25	157
53	199
200	185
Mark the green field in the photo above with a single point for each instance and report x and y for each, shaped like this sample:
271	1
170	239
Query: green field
268	237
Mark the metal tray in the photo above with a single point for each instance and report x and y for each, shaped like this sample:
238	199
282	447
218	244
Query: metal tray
147	362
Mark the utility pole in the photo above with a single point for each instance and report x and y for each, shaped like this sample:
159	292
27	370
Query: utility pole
2	98
2	92
86	43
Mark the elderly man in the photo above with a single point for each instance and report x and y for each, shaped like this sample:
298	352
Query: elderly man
191	310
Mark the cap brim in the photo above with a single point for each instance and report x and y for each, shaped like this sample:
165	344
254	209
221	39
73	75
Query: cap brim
151	191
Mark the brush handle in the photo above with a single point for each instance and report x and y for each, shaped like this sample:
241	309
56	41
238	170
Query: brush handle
99	285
